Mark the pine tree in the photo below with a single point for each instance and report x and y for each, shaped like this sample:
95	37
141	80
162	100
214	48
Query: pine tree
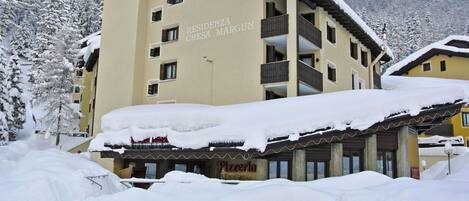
55	86
15	92
7	16
4	99
21	42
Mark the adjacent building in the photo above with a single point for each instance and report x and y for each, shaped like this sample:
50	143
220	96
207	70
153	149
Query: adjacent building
448	58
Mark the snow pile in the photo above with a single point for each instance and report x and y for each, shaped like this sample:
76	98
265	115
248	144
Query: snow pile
399	82
195	126
364	186
30	171
459	168
93	42
440	45
350	12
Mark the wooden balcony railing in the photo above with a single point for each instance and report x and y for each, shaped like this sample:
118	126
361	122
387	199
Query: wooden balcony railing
310	76
274	72
309	31
274	26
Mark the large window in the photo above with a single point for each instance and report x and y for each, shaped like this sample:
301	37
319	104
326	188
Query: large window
352	162
316	170
168	71
150	170
331	34
171	34
386	163
353	50
465	119
331	72
279	169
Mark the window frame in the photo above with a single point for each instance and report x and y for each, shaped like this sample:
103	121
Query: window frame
154	10
333	66
383	153
353	46
430	67
315	173
177	2
278	168
465	118
151	83
165	36
351	153
165	66
333	28
443	66
154	46
364	61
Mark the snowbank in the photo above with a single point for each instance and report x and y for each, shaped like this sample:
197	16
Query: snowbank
31	171
441	45
195	126
459	168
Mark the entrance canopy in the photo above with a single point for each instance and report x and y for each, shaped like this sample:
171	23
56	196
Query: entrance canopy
268	125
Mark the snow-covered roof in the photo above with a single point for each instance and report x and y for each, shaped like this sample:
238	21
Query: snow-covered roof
415	83
254	124
369	31
93	43
442	45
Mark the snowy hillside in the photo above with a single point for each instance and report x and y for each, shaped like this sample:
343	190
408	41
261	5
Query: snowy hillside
414	24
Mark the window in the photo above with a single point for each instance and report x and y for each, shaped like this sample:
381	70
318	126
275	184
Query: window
171	34
316	170
156	15
352	162
172	2
427	67
153	89
355	82
279	169
353	50
386	163
465	119
364	58
150	170
76	101
443	66
307	59
168	71
331	72
330	34
154	52
180	167
77	90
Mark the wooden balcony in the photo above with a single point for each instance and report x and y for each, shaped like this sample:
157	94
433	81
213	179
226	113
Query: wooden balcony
274	72
274	26
310	76
377	80
308	31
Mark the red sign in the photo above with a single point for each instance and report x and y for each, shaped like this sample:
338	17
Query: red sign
227	167
152	140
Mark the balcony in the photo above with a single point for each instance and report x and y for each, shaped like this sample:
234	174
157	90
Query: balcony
309	36
377	80
274	72
274	26
310	78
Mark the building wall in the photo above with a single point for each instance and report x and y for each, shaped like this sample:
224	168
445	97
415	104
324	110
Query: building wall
456	68
87	97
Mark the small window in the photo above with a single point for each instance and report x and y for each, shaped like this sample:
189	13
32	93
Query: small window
465	119
427	67
171	34
156	15
154	52
353	50
172	2
331	34
153	89
443	66
168	71
331	72
364	58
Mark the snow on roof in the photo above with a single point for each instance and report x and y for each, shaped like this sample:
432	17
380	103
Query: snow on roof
441	140
441	45
400	82
346	8
195	126
93	42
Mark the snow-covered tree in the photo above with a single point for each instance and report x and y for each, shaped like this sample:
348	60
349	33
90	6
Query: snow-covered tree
21	42
15	93
54	87
7	16
5	109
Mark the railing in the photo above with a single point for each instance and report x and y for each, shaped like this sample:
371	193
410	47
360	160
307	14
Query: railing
441	130
274	72
310	76
274	26
377	80
309	31
93	178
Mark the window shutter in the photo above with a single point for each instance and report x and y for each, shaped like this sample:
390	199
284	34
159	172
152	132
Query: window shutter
270	9
162	72
270	54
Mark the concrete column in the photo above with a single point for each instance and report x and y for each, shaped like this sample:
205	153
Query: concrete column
403	165
292	47
299	165
262	169
335	167
371	152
